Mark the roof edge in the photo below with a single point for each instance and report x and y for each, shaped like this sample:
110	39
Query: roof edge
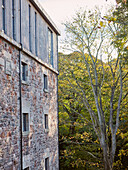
44	14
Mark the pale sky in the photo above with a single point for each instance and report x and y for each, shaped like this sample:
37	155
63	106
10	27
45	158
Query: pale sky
62	10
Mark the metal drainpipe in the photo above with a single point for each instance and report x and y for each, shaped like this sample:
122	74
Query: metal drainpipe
58	123
58	101
20	79
21	162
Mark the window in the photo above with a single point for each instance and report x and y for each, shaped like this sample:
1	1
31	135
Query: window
45	82
25	122
30	48
3	14
26	168
24	69
46	121
46	163
13	19
50	50
57	49
36	33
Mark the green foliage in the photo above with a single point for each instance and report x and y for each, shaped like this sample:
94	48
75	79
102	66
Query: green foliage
78	143
93	94
79	146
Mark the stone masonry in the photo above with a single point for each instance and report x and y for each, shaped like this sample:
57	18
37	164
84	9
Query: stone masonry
39	144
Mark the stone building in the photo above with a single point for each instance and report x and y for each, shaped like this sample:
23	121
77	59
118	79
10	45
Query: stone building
28	87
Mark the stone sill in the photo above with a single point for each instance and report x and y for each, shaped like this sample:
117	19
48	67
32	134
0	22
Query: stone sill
46	90
25	82
26	133
17	45
46	130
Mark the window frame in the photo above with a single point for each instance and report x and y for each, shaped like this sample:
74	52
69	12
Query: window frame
3	16
46	122
50	46
36	52
24	71
26	168
25	124
47	163
30	45
45	82
13	20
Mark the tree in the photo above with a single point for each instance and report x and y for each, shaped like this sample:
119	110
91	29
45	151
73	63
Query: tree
89	34
78	143
121	15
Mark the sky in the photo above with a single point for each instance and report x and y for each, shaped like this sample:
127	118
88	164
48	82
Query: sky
63	10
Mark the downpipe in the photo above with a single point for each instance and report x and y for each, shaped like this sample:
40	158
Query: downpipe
20	91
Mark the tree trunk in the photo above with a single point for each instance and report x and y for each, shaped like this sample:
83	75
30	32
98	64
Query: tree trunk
107	163
107	167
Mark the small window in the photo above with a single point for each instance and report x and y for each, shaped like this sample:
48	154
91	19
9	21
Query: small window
57	49
46	163
36	33
30	47
46	121
25	122
26	168
45	82
50	50
24	71
13	19
3	14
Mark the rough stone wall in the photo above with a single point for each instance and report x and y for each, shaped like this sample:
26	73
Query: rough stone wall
39	143
9	107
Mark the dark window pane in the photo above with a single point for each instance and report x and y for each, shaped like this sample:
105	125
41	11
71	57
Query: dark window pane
24	71
3	14
13	19
46	121
35	33
30	28
47	164
50	39
45	82
25	122
26	168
